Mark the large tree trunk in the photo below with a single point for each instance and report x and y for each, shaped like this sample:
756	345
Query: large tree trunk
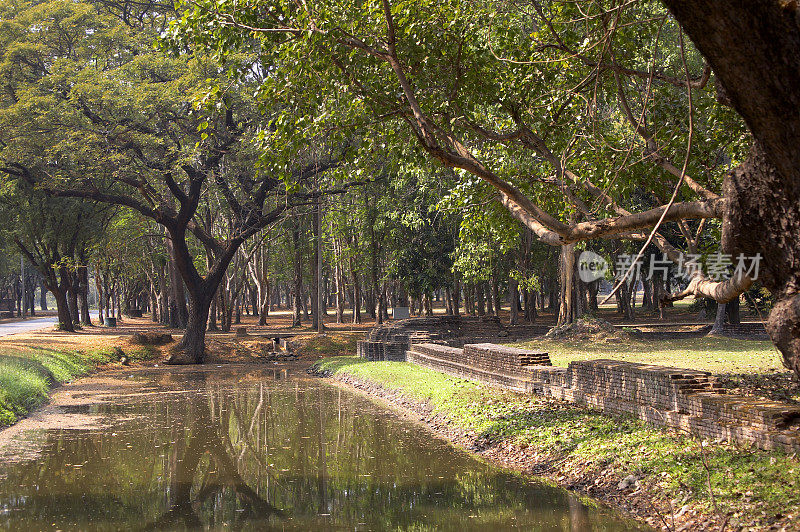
178	313
753	47
192	347
62	306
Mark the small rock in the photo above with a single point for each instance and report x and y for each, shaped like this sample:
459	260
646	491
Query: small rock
627	482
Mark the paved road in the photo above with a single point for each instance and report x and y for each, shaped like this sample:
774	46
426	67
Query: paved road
27	325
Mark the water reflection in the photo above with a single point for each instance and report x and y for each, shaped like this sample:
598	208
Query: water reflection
264	450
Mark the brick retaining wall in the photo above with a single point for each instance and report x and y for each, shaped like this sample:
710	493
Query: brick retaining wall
385	342
682	399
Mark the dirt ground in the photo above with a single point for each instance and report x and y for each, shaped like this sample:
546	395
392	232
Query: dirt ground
223	347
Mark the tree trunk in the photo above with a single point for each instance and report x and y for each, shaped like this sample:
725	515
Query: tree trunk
153	303
72	298
513	299
732	311
297	300
530	306
98	281
192	347
753	48
719	321
495	295
356	294
178	315
43	296
62	306
83	295
566	312
212	315
593	288
317	296
456	299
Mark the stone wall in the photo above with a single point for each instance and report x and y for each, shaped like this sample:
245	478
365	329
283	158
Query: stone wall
746	330
683	399
385	342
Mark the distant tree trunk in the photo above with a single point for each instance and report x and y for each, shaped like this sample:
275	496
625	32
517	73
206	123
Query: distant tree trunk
65	320
297	305
83	294
427	304
470	295
566	311
212	315
98	282
647	288
356	293
317	296
43	296
733	312
479	295
513	299
456	296
530	306
340	286
719	321
448	301
72	297
495	294
153	302
238	318
593	288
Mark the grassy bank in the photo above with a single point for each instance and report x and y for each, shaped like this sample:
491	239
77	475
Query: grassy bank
330	343
28	373
586	450
715	354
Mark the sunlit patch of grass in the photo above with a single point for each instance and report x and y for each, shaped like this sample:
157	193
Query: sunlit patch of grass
714	354
329	344
23	387
756	485
26	375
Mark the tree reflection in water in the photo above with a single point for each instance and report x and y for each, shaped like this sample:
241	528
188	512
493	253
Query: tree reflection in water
204	438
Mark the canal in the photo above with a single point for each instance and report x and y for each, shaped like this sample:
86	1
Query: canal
259	449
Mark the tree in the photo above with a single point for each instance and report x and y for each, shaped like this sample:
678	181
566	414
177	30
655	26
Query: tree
480	100
50	233
137	112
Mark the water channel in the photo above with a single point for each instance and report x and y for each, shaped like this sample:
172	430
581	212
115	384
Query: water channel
261	449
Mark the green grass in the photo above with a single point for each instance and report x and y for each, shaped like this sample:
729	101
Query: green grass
332	343
754	485
714	354
26	375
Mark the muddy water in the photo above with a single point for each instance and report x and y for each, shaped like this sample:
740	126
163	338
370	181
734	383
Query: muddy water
250	449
